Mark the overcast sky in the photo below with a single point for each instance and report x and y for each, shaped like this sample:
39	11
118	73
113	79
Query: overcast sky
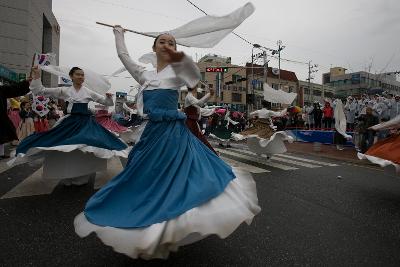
355	34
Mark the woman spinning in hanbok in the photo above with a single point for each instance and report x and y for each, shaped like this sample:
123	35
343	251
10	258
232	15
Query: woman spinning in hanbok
263	127
223	130
193	114
262	138
174	189
78	145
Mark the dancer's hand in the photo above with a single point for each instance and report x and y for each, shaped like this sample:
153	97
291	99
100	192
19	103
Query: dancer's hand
119	28
35	73
175	56
212	92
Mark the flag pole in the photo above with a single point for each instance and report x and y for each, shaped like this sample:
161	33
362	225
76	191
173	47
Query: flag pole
33	62
128	30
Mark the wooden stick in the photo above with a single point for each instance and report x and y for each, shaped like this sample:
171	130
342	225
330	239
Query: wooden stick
127	30
33	61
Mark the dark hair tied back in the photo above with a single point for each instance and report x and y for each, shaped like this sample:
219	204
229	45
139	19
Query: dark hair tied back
72	71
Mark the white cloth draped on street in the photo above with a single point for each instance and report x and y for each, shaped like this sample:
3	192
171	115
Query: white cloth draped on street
278	96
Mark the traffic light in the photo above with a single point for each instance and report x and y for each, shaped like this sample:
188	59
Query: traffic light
217	69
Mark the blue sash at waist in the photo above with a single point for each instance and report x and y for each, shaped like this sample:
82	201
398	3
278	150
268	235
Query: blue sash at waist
80	109
166	115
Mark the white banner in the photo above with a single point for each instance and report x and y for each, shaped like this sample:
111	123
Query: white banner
278	96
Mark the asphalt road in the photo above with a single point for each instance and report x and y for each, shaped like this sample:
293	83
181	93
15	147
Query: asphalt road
327	216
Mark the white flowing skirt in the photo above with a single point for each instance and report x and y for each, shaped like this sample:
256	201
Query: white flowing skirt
220	216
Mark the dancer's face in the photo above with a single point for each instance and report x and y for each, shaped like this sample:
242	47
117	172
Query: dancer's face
78	77
163	41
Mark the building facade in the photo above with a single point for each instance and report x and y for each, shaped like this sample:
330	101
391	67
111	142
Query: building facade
286	81
362	82
229	86
312	92
27	27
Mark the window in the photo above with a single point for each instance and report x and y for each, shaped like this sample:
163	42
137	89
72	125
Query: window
329	94
260	85
317	93
235	78
306	91
217	81
203	76
275	105
236	97
291	89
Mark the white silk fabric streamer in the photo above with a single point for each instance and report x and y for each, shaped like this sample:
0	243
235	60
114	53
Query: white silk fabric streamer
278	96
93	81
204	32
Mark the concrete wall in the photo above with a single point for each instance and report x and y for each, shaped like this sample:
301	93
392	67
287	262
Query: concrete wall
21	34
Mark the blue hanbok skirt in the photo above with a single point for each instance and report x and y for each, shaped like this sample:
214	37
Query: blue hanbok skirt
173	191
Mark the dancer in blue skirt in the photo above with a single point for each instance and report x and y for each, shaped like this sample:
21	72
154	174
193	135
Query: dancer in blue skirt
174	189
78	145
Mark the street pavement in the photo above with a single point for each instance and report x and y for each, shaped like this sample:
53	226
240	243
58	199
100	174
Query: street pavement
316	211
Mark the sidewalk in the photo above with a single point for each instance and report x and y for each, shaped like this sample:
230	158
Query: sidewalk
348	154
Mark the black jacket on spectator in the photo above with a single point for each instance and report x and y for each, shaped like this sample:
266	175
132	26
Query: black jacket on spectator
7	129
365	121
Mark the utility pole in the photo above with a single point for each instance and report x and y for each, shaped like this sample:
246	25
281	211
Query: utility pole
251	81
265	64
280	48
265	61
310	71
